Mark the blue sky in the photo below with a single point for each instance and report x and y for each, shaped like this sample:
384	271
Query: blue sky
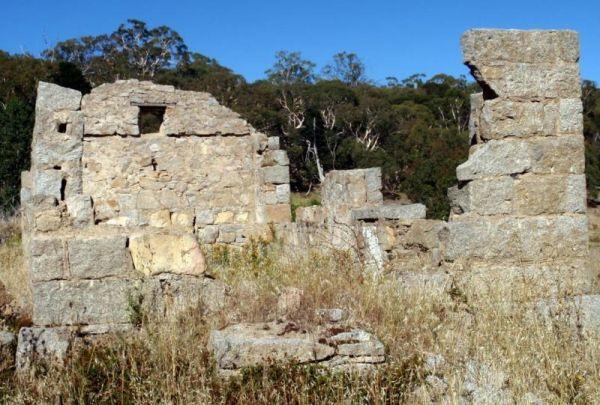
394	38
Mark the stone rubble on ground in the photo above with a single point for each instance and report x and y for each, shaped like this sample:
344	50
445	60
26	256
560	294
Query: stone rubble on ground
245	345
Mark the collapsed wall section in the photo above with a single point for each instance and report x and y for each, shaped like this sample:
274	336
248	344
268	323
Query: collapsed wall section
520	206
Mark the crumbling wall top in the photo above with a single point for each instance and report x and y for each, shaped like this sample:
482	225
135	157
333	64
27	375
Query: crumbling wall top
114	108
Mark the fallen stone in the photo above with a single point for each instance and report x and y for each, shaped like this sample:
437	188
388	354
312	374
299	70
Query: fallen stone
331	315
357	343
49	345
7	339
245	345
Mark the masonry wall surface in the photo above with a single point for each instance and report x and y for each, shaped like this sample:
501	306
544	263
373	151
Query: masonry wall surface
112	217
520	207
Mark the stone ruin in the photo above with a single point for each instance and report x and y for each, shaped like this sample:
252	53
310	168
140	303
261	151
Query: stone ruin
519	210
113	214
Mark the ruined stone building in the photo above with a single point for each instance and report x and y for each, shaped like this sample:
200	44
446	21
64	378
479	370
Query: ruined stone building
112	212
106	204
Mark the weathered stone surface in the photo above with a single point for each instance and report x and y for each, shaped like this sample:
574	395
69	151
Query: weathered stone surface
312	214
166	253
390	211
532	194
98	256
276	157
245	345
54	97
357	343
528	280
169	295
200	114
80	210
484	384
112	108
50	345
485	196
276	174
521	195
528	238
550	155
536	81
273	143
48	182
502	118
532	46
332	315
7	339
282	193
278	213
343	190
82	302
583	312
47	258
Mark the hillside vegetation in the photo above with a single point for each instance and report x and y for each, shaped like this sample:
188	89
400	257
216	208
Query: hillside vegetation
333	117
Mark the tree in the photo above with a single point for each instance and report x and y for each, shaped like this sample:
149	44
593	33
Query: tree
289	68
16	125
132	51
347	68
201	73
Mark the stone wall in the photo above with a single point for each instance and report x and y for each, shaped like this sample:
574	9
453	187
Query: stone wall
112	216
520	207
519	210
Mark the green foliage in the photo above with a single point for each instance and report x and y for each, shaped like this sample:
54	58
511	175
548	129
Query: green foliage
591	125
414	128
16	119
290	68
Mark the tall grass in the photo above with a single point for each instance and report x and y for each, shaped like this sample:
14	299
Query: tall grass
168	361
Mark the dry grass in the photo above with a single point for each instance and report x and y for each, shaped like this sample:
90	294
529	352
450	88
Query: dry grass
169	362
12	270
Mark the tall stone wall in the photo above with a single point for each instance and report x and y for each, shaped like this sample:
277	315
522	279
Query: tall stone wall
520	206
112	216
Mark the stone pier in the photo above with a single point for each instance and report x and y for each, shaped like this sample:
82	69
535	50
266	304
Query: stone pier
519	210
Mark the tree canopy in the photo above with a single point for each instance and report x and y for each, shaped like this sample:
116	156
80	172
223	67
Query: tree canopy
415	128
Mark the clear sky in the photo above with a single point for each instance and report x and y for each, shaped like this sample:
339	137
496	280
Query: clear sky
394	38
